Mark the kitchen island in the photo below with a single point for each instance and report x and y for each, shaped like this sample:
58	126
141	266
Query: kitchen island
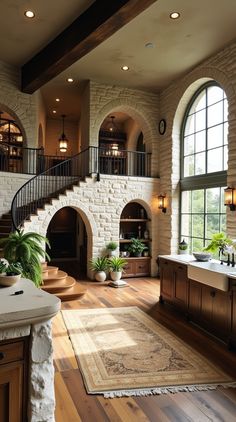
204	292
26	361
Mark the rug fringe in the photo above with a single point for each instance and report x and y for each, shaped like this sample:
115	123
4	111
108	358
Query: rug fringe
165	390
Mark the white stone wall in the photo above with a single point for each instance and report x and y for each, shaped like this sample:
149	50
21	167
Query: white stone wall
100	205
9	185
22	107
173	101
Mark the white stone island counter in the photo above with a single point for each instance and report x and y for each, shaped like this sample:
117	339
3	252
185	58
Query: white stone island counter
26	353
182	259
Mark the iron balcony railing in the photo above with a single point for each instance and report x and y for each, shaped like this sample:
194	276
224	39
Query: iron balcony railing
54	180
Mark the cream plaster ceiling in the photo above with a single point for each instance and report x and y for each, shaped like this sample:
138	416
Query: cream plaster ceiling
204	27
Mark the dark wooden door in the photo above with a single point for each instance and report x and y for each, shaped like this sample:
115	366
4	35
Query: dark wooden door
221	313
195	300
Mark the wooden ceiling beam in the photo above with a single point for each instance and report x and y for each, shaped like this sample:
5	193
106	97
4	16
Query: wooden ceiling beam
101	20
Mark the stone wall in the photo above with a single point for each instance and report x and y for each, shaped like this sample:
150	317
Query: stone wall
173	101
22	107
100	205
9	185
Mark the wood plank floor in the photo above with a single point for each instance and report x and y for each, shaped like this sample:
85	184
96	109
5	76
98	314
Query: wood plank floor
73	404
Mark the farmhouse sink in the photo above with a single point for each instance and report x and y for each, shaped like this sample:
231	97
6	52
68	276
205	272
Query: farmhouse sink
211	273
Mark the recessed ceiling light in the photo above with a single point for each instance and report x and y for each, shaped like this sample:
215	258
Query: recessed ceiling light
70	80
57	100
54	111
29	14
174	15
125	68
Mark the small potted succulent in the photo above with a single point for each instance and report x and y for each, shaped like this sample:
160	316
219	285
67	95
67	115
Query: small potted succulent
9	273
99	265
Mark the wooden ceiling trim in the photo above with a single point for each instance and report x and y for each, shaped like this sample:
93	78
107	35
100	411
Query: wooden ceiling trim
101	20
91	28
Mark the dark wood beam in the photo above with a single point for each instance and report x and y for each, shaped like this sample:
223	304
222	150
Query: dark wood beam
101	20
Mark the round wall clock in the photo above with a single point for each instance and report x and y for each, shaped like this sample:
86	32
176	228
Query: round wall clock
162	126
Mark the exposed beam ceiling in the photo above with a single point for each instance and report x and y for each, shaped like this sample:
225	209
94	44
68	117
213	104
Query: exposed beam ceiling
90	29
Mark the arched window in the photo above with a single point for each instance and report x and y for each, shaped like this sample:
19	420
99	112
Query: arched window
204	156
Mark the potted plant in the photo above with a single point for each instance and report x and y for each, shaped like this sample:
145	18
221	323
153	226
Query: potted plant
99	265
9	273
111	248
116	265
136	247
219	243
26	249
183	247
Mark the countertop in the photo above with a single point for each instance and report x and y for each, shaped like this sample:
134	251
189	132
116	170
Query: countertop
33	306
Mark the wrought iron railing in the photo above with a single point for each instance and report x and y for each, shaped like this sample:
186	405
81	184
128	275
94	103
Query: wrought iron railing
54	180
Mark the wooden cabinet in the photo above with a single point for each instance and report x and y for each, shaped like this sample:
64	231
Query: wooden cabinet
137	267
210	308
174	283
232	339
13	380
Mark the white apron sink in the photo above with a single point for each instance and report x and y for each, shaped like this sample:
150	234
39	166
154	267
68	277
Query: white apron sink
211	273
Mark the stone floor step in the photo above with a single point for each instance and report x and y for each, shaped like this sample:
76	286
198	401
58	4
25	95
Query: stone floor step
73	293
59	286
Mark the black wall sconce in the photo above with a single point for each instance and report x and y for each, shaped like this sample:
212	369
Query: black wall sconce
161	205
229	198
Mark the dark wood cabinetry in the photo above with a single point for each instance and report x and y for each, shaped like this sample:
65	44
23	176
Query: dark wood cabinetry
174	283
13	380
210	308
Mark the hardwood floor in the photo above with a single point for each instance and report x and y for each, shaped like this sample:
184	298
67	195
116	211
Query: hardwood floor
73	404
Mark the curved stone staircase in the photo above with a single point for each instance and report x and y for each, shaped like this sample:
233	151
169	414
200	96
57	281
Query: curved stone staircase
60	283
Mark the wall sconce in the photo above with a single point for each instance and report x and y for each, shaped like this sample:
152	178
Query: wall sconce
161	200
229	198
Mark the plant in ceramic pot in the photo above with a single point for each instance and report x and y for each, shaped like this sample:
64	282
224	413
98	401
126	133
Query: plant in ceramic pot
99	265
218	244
9	273
137	247
111	248
27	249
116	266
183	247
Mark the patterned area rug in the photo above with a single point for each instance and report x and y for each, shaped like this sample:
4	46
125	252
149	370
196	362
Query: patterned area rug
124	352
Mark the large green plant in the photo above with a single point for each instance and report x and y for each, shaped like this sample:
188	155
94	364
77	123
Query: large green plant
218	243
136	246
27	250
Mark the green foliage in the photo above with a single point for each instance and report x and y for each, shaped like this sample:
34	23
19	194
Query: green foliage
183	246
10	269
116	263
26	249
136	246
99	264
218	242
112	246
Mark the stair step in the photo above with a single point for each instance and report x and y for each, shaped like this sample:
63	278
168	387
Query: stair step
2	235
4	229
59	286
5	223
73	293
60	275
49	271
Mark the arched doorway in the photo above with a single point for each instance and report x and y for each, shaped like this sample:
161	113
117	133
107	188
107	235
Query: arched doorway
68	239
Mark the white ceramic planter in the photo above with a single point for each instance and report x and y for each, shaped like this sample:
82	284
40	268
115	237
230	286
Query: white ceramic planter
115	275
100	276
9	280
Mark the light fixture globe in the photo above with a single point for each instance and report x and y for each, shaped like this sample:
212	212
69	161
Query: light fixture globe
63	141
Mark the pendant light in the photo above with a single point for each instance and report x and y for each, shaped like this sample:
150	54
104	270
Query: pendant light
63	141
